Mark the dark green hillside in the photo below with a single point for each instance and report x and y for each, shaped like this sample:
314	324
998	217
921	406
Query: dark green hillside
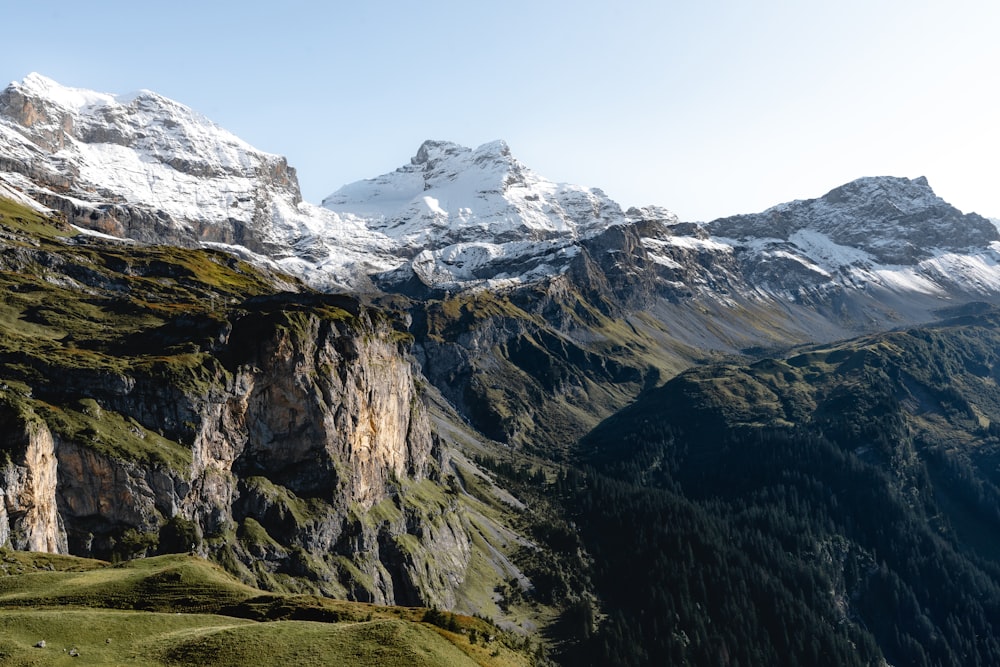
839	506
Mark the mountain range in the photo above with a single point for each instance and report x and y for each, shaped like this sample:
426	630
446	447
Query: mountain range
414	391
145	167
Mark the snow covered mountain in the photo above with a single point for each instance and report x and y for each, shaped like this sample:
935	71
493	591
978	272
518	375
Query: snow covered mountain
144	167
464	216
140	149
884	232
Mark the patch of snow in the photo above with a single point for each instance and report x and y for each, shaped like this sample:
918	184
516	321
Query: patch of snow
664	261
977	272
689	243
100	235
21	198
815	268
824	252
907	279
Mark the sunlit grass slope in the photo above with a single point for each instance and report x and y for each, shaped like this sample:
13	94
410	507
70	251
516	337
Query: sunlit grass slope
182	610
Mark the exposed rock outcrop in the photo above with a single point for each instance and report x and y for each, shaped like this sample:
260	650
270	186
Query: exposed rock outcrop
29	518
272	451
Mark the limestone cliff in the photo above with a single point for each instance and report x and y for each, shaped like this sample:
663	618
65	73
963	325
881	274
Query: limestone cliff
156	399
28	516
281	448
298	423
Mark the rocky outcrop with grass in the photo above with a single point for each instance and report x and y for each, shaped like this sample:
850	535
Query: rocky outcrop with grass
161	399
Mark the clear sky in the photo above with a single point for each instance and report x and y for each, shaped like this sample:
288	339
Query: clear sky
706	107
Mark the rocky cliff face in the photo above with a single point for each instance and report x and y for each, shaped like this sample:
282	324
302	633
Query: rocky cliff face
314	422
164	399
306	422
29	518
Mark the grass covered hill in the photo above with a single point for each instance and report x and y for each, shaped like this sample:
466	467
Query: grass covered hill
183	610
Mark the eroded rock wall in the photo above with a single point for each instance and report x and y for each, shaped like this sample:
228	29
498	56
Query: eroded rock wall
287	434
29	519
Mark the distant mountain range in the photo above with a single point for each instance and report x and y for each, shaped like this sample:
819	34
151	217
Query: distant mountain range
147	168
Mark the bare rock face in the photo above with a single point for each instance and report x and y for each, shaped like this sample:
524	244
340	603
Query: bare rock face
332	416
272	455
29	519
97	492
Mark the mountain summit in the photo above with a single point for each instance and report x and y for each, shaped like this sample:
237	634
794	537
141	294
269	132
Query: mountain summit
473	215
449	194
143	150
896	220
144	167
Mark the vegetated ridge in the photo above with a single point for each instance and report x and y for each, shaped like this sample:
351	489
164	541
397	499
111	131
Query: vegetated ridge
850	489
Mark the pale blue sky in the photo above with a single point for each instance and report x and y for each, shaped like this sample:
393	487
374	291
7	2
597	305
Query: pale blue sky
708	108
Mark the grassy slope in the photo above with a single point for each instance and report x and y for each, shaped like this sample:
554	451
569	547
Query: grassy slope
182	610
138	638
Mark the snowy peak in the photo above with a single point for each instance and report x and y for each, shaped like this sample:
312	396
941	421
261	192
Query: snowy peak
449	193
36	86
885	195
144	166
468	216
896	220
890	238
432	152
169	132
489	168
463	174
